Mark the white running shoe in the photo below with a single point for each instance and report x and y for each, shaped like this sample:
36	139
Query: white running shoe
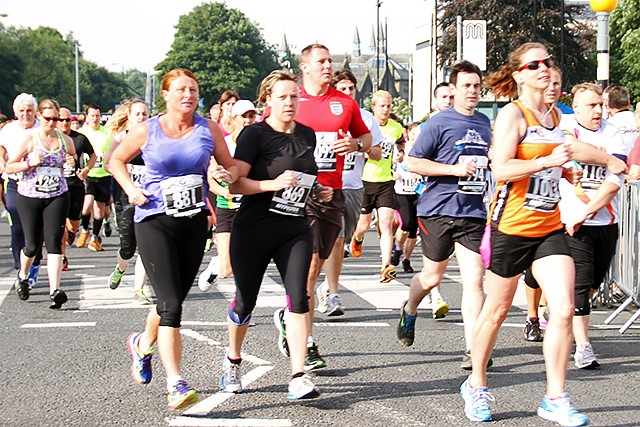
302	388
335	306
230	381
322	296
209	275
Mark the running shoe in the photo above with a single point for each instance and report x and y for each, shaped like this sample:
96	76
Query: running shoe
208	277
335	306
406	327
585	358
466	361
532	331
230	380
208	245
141	298
57	298
141	363
82	239
71	237
22	288
322	296
94	245
476	402
278	320
440	308
106	228
543	316
395	256
302	388
387	274
181	396
313	359
356	247
406	266
561	411
115	278
33	276
65	263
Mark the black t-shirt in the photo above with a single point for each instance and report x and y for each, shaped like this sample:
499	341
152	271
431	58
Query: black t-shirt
82	146
270	153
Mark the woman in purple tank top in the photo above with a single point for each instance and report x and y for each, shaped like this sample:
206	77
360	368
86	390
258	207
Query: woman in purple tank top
171	218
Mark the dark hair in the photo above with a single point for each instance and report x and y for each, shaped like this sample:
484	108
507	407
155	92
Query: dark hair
438	86
91	107
618	97
227	95
463	67
344	74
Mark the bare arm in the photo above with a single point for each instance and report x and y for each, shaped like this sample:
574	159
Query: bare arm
115	143
245	185
226	170
606	192
588	153
132	145
16	163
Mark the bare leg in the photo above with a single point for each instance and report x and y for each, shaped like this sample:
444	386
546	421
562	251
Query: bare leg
54	271
333	265
223	241
236	337
423	282
312	278
472	273
297	340
170	348
385	222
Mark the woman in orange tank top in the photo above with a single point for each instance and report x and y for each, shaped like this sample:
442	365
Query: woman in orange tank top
524	231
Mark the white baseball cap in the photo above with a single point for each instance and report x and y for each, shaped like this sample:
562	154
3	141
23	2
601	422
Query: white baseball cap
242	106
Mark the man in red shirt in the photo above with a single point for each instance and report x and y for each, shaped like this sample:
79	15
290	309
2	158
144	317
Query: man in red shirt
336	119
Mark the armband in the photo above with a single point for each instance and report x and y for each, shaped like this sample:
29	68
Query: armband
28	165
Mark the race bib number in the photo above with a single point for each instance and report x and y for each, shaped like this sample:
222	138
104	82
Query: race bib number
409	182
325	157
543	194
592	176
99	163
136	173
69	169
292	201
48	179
387	148
477	183
350	161
182	195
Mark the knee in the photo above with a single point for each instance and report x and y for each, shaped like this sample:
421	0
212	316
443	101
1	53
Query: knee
170	314
237	318
127	251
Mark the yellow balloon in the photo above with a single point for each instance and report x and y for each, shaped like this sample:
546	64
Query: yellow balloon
603	5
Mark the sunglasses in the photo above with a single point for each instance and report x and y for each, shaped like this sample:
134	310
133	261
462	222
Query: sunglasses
534	65
64	120
48	119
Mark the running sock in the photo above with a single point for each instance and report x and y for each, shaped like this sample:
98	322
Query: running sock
310	341
143	347
84	222
171	381
297	375
97	225
234	360
333	295
22	277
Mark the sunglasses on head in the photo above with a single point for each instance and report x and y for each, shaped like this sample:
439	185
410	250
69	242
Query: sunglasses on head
64	120
48	119
534	65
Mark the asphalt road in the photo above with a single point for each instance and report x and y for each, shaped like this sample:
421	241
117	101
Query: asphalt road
70	367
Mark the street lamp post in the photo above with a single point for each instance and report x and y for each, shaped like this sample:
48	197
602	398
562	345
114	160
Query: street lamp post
603	9
378	4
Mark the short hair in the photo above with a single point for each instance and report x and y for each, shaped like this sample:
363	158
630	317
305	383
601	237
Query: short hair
304	55
227	95
438	86
344	74
380	94
266	86
91	107
618	97
22	99
463	67
48	104
583	87
174	74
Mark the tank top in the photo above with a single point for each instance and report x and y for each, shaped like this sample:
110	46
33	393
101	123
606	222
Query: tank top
233	203
47	179
528	207
176	171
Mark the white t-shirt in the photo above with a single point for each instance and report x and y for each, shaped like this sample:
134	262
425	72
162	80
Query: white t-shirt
625	121
593	175
354	162
11	136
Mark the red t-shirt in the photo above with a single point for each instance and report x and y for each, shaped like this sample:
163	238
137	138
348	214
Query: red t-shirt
326	115
634	156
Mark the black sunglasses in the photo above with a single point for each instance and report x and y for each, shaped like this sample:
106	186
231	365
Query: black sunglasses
64	120
48	119
534	65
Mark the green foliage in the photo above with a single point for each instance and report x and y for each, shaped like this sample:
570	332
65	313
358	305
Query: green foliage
510	24
624	48
223	48
399	108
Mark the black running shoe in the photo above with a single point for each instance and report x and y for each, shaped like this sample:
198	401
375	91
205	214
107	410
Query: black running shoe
395	256
22	288
532	331
57	298
313	360
406	327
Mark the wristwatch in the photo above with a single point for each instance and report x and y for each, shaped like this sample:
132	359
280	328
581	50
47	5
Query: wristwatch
360	144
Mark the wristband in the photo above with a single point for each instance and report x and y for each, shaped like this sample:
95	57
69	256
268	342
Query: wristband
28	165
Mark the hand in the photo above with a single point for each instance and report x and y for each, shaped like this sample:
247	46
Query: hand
465	168
573	175
286	179
345	144
138	197
220	174
324	193
616	166
69	159
35	159
82	173
559	156
574	224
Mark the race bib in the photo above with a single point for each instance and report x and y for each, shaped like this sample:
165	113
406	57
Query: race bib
182	195
350	161
292	201
99	163
325	157
592	176
409	182
69	170
47	179
136	173
387	148
477	183
543	193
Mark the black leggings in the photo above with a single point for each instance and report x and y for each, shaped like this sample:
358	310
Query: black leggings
171	249
253	247
407	207
124	214
43	219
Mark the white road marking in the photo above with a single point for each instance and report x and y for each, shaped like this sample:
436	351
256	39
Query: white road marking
381	295
230	422
96	294
58	325
271	294
354	324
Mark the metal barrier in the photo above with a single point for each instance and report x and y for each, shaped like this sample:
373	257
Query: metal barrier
625	267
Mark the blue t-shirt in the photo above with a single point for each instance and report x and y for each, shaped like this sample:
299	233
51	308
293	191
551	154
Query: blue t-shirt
450	137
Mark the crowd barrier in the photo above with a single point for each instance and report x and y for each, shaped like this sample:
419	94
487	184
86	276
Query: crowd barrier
625	267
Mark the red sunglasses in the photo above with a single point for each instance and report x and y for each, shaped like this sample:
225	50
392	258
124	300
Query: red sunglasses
534	65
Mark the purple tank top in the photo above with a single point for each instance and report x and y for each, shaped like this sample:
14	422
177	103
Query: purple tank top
176	171
47	179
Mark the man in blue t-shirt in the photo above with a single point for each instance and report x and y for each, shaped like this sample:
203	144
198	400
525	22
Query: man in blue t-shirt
452	151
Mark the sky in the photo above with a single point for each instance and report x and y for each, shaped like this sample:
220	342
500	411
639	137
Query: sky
125	34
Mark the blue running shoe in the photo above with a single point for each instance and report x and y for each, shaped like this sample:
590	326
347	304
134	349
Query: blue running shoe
476	402
33	276
141	364
181	396
561	411
406	327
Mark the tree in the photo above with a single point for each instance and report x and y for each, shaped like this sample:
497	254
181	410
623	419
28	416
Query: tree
11	68
510	24
399	107
625	46
224	50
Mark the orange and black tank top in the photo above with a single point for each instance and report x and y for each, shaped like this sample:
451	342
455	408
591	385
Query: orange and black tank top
528	207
